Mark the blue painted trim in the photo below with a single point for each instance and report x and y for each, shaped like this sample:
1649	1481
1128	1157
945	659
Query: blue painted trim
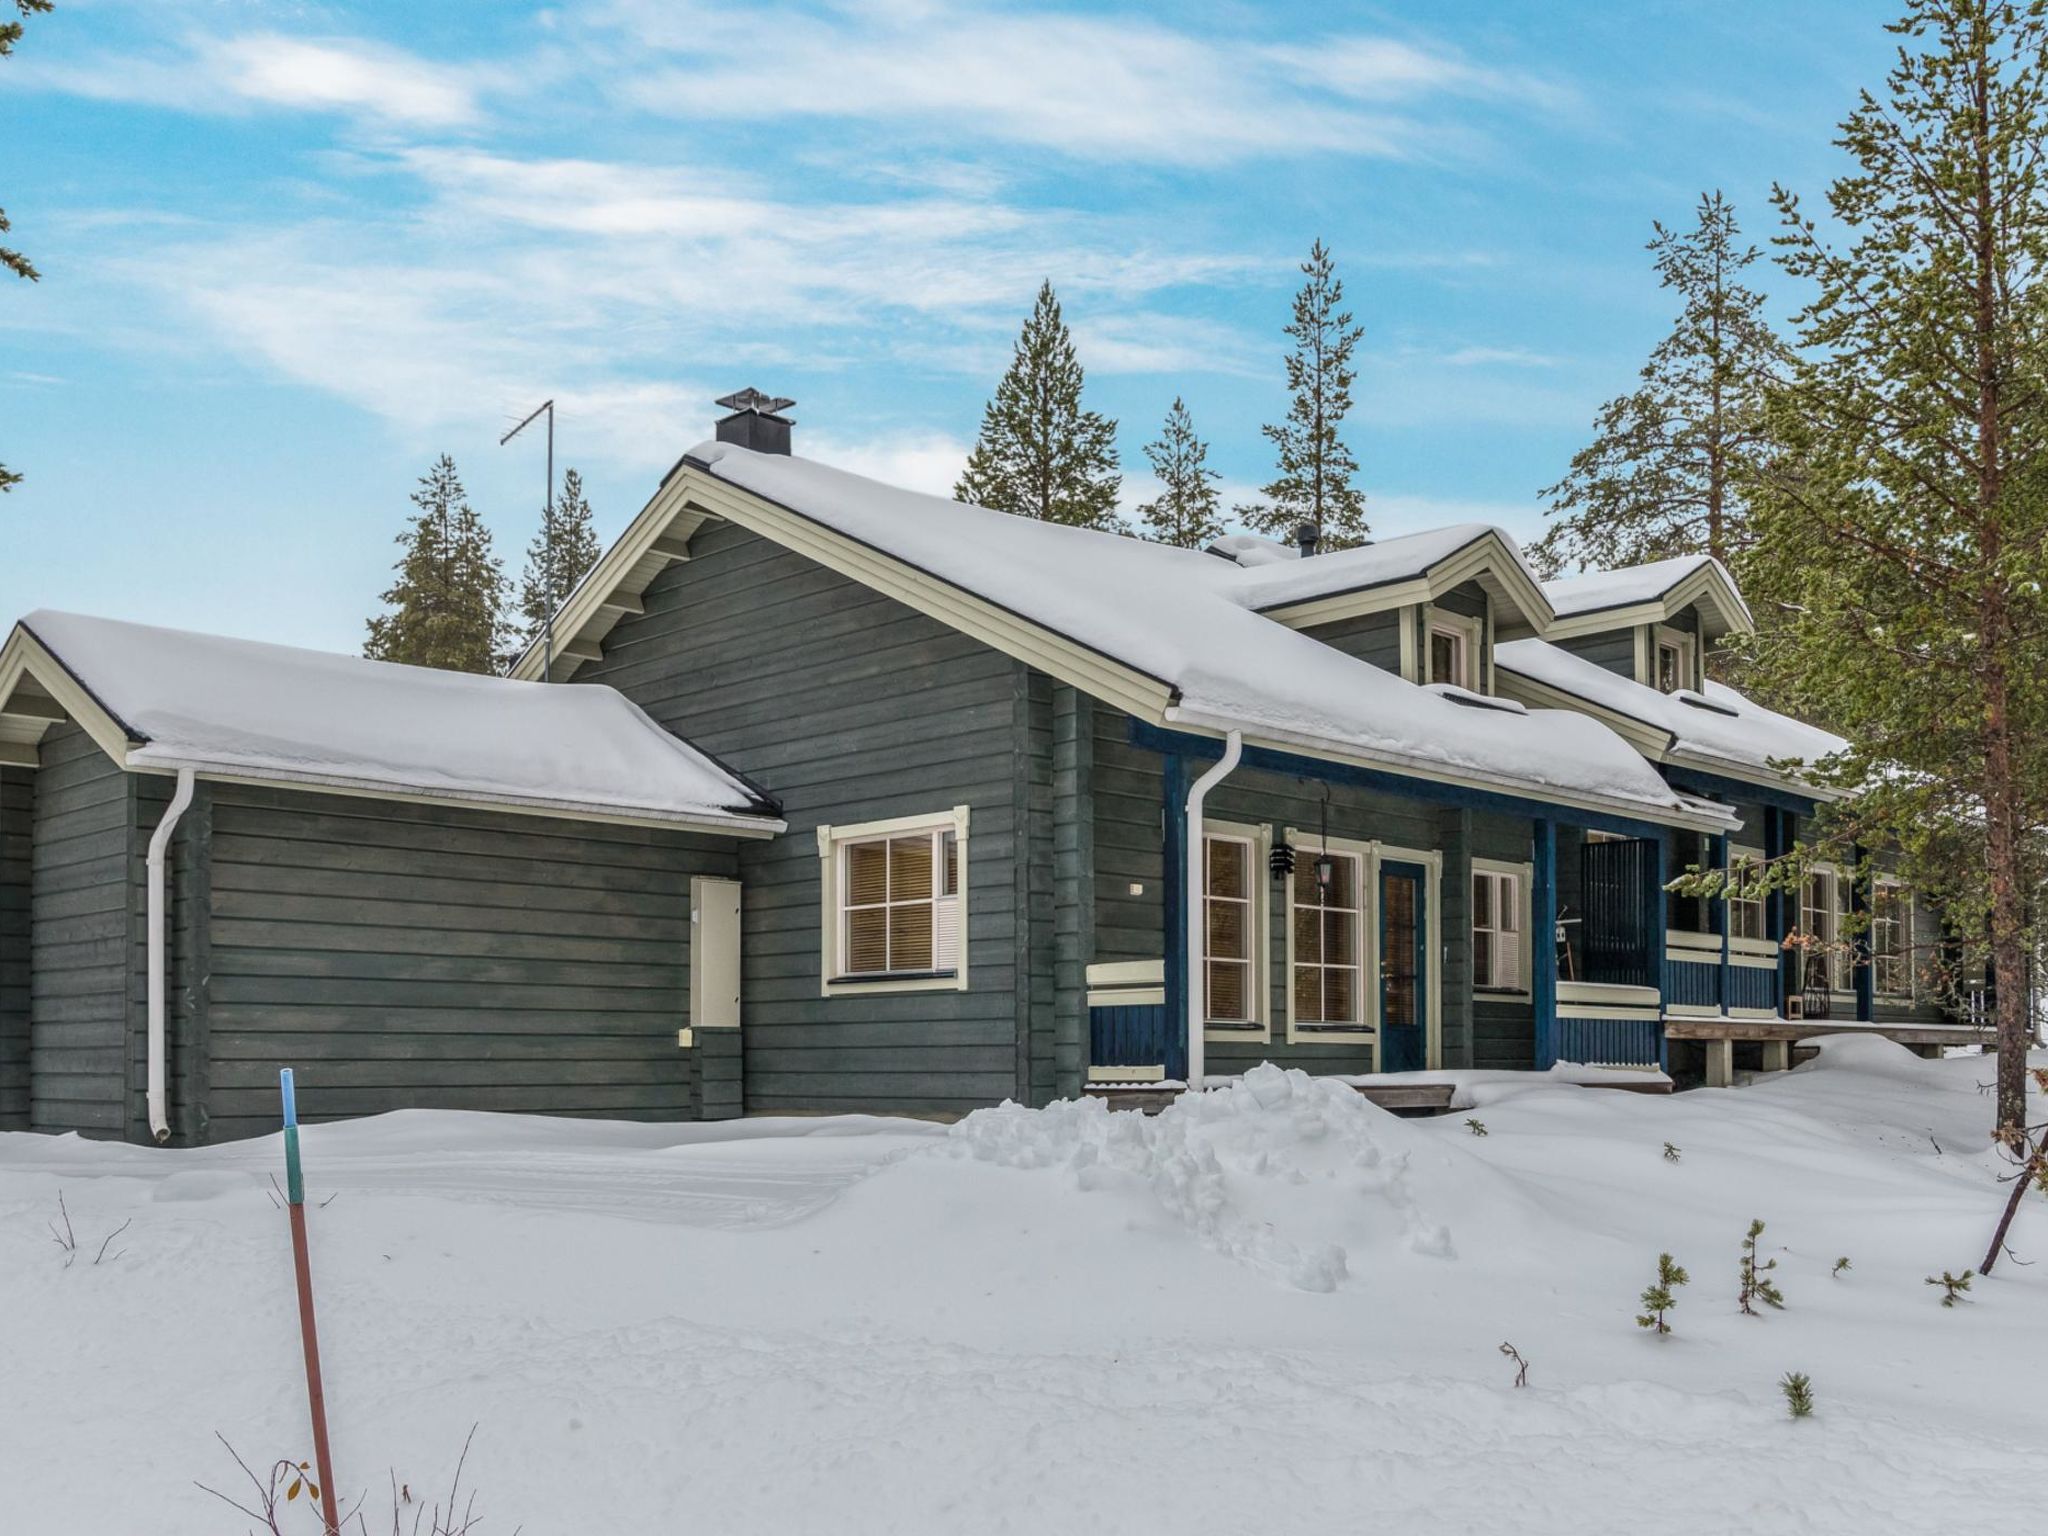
1174	850
1127	1035
1694	782
1717	918
1612	1042
1543	935
1778	907
1296	766
1655	926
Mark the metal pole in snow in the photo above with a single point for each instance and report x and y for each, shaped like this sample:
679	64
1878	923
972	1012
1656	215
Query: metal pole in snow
295	1203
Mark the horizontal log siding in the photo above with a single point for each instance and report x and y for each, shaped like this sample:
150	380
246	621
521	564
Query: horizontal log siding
1372	637
80	942
17	839
848	707
1614	649
431	956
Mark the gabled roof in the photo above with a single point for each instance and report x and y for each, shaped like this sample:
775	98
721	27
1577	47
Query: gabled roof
165	699
1647	594
1409	568
1720	731
1167	634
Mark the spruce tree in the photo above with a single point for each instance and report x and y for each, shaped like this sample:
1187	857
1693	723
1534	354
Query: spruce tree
560	555
1664	471
447	605
14	261
1039	453
1187	511
1906	559
1315	467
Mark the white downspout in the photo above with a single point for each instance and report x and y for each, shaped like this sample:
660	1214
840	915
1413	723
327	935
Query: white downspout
159	845
1198	973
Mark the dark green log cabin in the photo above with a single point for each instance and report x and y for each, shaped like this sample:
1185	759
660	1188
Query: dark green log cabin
916	835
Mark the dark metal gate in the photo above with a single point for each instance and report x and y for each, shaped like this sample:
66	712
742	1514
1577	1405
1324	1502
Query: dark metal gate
1614	920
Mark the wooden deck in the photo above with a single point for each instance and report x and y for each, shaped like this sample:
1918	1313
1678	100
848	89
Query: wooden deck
1779	1037
1423	1098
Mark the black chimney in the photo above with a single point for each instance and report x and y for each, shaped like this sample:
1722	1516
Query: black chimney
1305	537
756	422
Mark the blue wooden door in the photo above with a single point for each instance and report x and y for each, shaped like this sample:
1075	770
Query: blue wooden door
1404	967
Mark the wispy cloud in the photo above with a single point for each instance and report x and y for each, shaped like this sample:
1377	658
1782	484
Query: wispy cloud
1116	88
1499	357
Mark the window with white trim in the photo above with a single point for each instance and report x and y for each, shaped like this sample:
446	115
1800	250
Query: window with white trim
1675	669
1454	650
1891	939
893	899
1326	914
1230	927
1745	896
1822	903
1500	904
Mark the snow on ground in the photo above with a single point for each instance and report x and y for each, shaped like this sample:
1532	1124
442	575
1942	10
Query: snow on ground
1273	1308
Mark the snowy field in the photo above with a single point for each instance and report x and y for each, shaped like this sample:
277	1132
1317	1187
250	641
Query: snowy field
1278	1309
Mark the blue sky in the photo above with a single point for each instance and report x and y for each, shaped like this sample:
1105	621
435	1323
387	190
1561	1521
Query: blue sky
292	251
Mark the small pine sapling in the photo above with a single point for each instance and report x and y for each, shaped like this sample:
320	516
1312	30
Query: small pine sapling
1659	1298
1757	1284
1841	1267
1798	1394
1953	1286
1521	1365
1475	1126
1671	1154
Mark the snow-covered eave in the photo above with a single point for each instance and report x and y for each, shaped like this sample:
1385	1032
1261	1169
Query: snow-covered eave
1486	558
25	657
1678	812
1708	583
1684	754
723	821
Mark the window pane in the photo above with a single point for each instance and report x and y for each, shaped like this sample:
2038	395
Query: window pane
1228	938
1340	996
1227	990
1226	867
867	874
1308	994
1343	883
946	934
1482	959
910	868
1510	905
910	935
1668	669
1339	939
867	940
1308	935
950	864
1482	897
1446	658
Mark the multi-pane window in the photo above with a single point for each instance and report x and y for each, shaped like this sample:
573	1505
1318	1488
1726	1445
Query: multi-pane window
1891	939
1230	928
1674	660
1497	931
1821	902
1745	897
1329	933
899	902
1447	656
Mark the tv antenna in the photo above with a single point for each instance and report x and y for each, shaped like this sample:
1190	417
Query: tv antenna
547	538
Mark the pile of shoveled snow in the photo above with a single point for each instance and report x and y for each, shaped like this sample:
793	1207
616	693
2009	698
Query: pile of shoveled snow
1265	1170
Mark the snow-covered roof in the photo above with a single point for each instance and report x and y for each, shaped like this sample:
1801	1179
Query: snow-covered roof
250	710
1720	729
1180	617
1387	562
1662	585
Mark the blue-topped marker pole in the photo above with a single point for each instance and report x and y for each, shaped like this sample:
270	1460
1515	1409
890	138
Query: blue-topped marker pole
309	1335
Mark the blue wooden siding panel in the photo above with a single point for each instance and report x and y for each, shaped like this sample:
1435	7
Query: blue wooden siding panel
1129	1036
1752	986
1610	1042
1693	983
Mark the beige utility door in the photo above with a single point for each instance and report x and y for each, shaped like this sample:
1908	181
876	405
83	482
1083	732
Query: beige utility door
714	953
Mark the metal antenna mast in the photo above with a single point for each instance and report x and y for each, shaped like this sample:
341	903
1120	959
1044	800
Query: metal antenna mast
547	539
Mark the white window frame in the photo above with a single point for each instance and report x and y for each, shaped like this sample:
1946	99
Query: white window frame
1903	894
1838	957
1259	1028
1688	657
833	841
1738	856
1470	634
1496	869
1306	846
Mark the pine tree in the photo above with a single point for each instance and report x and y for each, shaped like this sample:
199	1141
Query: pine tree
1663	475
1757	1284
560	555
1187	511
1315	467
14	261
1661	1295
1904	560
448	601
1039	453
